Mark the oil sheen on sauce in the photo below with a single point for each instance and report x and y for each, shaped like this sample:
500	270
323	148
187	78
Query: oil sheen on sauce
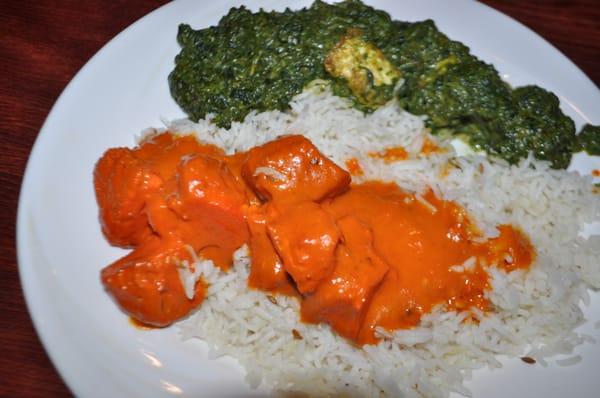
357	256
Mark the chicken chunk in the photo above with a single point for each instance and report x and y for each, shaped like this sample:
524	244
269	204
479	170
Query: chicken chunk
206	182
147	285
291	169
343	298
122	184
208	202
266	271
305	238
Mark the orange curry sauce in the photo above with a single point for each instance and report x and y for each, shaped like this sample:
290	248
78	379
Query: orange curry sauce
357	256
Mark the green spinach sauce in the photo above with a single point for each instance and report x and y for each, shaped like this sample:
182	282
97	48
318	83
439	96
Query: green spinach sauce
259	61
589	139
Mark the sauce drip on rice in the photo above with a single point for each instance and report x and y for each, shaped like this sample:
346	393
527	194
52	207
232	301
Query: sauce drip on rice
358	256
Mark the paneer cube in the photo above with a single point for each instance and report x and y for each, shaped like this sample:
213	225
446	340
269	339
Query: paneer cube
363	66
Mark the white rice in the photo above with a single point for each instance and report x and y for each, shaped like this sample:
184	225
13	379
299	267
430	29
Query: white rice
537	311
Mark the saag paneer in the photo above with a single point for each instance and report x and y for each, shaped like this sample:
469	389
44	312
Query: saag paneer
259	61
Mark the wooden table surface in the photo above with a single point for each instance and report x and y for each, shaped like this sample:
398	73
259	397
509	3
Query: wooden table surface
42	46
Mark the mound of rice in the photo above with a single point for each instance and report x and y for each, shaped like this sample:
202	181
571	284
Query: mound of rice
536	311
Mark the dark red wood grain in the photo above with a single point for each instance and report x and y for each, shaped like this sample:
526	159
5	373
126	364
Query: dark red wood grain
44	43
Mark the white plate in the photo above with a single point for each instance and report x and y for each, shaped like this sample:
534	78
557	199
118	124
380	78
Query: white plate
122	90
